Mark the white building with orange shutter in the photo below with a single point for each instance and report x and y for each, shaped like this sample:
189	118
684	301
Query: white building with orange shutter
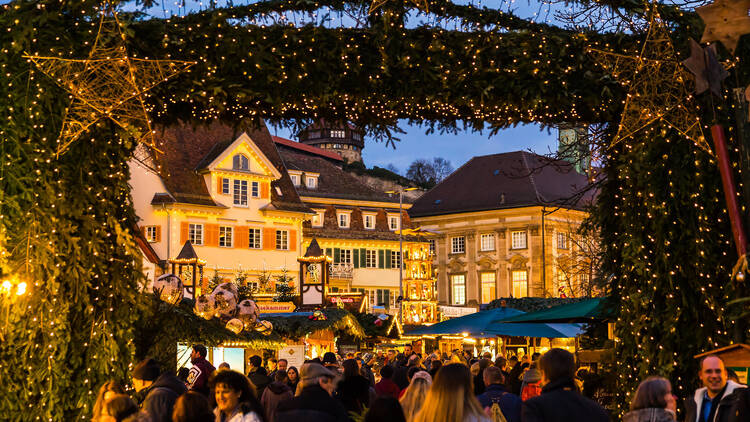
228	193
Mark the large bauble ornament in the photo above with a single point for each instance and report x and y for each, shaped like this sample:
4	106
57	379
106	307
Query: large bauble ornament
264	327
169	288
225	303
228	286
204	306
235	325
247	311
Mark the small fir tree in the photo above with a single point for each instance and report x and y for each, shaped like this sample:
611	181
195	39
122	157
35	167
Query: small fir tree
285	290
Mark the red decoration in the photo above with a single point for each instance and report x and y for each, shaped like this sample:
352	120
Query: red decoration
730	194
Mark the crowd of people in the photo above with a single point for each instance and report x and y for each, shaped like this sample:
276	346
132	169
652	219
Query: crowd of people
403	387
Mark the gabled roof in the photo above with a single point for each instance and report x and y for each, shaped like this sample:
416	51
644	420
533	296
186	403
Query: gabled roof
507	180
308	148
146	248
188	148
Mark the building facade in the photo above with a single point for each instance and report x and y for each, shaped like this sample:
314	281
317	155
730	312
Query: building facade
508	227
342	139
226	192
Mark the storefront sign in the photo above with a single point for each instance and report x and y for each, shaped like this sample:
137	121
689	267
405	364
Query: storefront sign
456	311
294	355
350	302
275	307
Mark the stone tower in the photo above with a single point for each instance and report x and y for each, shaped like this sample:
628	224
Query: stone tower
343	139
573	147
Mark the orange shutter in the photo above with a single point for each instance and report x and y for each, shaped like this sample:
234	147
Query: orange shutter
241	234
143	232
269	238
292	240
212	235
265	190
158	233
184	232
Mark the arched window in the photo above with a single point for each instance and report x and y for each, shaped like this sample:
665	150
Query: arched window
240	162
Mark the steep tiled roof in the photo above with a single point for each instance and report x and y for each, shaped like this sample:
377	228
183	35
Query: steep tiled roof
333	182
187	149
507	180
308	148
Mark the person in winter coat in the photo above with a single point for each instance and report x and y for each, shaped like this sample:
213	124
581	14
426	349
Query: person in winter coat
451	398
514	378
353	390
496	393
235	399
386	386
276	392
560	401
719	400
192	407
653	402
412	398
315	402
257	374
158	391
292	378
201	371
532	383
108	390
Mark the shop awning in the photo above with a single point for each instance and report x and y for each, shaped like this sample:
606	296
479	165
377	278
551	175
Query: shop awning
584	311
536	329
476	325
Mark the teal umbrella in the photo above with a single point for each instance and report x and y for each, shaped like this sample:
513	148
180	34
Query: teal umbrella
477	325
585	311
536	329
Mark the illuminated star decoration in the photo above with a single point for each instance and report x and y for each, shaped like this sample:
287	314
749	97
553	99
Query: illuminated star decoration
656	87
726	21
707	71
108	84
423	5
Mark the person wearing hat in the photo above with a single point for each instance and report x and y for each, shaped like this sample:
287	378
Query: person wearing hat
315	403
159	391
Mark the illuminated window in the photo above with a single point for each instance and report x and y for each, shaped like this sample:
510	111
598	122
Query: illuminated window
458	244
371	258
562	241
488	287
195	234
395	259
458	287
254	237
282	240
487	242
369	221
345	256
225	236
295	179
432	246
312	182
240	162
338	134
152	234
520	285
393	222
344	220
240	192
318	218
518	240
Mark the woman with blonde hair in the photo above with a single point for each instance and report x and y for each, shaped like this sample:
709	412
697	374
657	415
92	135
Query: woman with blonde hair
108	390
451	398
415	393
653	402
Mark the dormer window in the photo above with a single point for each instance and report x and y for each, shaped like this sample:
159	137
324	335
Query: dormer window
356	136
311	182
240	162
295	179
338	134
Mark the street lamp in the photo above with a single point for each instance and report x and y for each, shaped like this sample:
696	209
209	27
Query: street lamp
400	299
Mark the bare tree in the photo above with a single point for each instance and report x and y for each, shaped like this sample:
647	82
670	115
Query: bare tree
578	261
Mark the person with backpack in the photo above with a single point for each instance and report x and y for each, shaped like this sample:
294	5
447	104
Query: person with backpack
532	383
497	402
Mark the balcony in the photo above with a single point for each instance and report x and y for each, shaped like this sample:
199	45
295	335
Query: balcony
342	271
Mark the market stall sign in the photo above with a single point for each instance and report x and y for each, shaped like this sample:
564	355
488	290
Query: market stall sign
275	307
456	311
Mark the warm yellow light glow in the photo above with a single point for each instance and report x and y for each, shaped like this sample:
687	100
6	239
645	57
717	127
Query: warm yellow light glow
7	286
21	288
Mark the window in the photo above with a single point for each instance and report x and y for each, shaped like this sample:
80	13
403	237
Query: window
518	240
458	284
371	258
393	222
240	162
336	146
295	179
253	240
383	297
432	246
314	134
562	241
395	259
312	182
520	286
318	218
282	240
152	234
255	189
240	192
225	236
338	134
344	220
369	221
487	242
345	256
458	244
195	233
356	136
225	186
488	287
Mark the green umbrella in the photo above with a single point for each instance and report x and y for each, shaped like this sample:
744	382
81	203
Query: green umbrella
585	311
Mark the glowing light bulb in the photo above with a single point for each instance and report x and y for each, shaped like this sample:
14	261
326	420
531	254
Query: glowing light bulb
21	288
6	285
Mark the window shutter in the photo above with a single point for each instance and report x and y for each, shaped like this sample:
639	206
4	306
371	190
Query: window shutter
336	255
265	190
329	252
212	235
158	233
363	258
269	238
381	258
143	232
388	255
241	237
219	185
184	232
355	258
292	240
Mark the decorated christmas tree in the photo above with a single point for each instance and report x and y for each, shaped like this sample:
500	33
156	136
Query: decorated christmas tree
285	290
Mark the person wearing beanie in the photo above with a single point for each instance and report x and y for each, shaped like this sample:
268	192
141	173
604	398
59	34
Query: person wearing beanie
315	403
201	371
158	391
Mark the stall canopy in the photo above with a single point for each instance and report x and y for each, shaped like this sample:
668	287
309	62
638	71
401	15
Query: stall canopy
535	329
584	311
476	324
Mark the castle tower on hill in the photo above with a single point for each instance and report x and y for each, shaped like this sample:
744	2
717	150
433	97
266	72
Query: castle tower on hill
345	140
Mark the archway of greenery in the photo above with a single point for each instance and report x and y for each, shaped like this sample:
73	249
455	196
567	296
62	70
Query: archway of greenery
65	222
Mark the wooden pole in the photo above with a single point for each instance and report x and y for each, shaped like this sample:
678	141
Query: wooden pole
730	192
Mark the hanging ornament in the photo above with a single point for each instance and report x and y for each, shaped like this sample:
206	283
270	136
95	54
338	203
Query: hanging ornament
169	288
706	69
726	21
235	325
231	287
264	327
225	303
204	307
247	311
108	84
656	86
